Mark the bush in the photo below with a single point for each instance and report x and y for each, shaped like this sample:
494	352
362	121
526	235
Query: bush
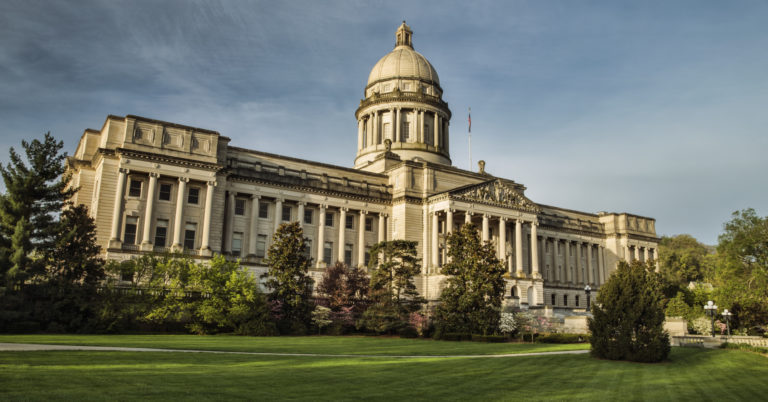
456	336
563	338
489	338
409	332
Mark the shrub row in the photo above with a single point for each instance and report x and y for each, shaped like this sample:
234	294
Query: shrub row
563	338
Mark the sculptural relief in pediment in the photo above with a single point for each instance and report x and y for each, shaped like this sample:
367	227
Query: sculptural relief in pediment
496	192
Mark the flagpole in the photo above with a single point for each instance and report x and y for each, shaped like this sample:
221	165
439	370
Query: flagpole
470	138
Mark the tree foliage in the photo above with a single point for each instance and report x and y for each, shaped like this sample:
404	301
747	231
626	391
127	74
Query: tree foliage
471	300
682	259
288	279
742	276
393	295
628	316
344	291
36	191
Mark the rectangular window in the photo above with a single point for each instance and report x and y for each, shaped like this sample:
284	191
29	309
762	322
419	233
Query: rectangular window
367	255
554	299
161	232
308	249
134	189
565	300
308	216
263	210
189	235
350	222
239	206
348	254
327	251
237	243
577	300
405	131
329	219
286	214
570	251
130	229
165	192
193	196
261	245
369	224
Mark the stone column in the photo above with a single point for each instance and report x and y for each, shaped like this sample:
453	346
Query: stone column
147	245
485	236
534	251
448	221
230	221
645	254
421	126
205	247
435	240
278	213
627	254
382	227
392	119
578	278
321	236
567	265
636	253
467	217
180	199
360	142
590	279
300	214
342	230
375	127
117	211
397	126
254	224
502	239
436	130
519	247
601	265
361	240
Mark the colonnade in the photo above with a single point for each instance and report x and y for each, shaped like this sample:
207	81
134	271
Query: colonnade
370	133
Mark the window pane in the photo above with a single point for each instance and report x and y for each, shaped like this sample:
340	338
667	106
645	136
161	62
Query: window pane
130	230
367	255
237	244
286	213
135	188
308	249
189	236
239	206
161	233
350	222
194	195
308	216
348	254
263	210
327	250
329	219
165	192
368	224
261	245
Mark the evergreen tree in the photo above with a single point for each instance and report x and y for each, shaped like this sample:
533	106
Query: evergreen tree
628	316
471	301
393	295
36	192
288	279
74	258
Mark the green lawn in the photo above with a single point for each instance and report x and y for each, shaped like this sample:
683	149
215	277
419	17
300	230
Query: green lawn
690	374
358	345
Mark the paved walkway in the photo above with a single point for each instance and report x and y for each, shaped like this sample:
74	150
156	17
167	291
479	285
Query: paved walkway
31	347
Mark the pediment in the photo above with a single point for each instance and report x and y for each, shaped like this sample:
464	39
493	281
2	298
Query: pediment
495	192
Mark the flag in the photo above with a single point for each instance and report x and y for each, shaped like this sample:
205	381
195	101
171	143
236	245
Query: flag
470	120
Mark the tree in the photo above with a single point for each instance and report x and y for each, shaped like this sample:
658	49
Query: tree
36	192
628	316
288	279
682	259
471	301
742	269
74	257
345	292
393	295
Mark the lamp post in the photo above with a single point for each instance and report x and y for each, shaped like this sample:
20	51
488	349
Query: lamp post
587	290
711	309
727	316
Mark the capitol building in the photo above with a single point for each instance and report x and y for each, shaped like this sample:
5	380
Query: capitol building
154	187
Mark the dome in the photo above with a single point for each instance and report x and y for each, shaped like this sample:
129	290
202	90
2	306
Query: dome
403	62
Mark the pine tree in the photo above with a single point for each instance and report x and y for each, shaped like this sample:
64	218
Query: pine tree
36	192
628	316
393	295
288	279
471	301
74	258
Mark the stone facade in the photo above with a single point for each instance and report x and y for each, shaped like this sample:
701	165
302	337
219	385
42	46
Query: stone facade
155	186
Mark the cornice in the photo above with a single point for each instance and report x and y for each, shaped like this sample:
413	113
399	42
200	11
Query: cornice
383	200
397	96
149	156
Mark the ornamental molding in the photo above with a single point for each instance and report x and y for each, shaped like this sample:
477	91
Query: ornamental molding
493	192
310	190
153	157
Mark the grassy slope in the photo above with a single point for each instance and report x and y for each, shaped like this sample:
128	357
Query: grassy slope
691	374
307	344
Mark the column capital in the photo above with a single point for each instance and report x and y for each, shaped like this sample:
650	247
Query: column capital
302	203
124	170
323	207
212	183
154	174
502	218
384	214
255	197
184	179
343	209
363	212
487	216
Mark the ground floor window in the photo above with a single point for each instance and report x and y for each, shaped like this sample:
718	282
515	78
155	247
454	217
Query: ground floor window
189	235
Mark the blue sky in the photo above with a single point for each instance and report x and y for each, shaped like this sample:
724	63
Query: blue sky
658	108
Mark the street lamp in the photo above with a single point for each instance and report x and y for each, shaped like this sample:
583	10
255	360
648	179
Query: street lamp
587	290
711	310
727	316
